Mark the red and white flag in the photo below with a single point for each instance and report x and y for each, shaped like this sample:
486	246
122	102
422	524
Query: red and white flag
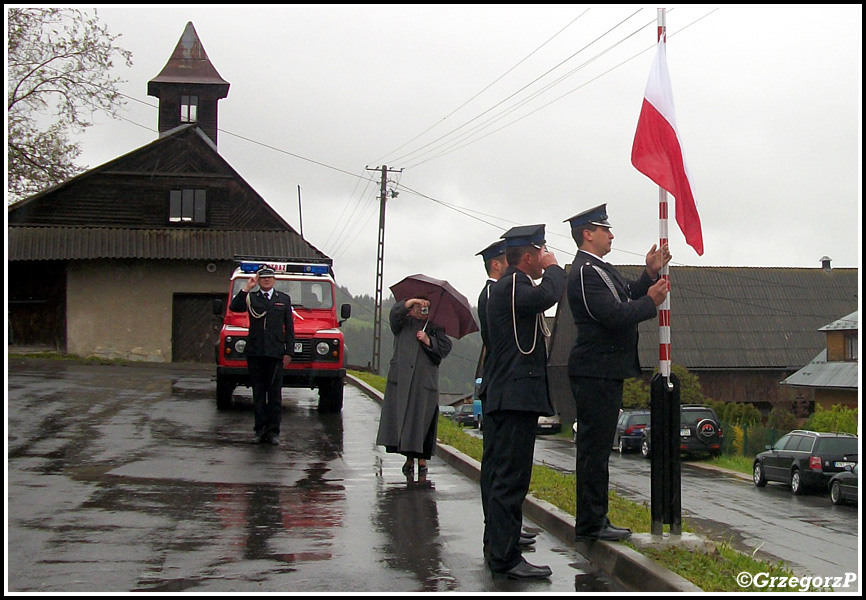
657	150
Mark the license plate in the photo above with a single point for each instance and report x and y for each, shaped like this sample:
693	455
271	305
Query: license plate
842	465
685	432
299	347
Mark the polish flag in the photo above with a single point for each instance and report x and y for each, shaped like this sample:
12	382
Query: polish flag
657	150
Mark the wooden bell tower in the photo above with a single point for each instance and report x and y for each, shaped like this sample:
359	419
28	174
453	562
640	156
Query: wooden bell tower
189	87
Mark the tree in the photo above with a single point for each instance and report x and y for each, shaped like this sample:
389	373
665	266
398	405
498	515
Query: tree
58	72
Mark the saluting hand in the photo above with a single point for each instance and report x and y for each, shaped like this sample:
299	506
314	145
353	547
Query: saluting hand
251	283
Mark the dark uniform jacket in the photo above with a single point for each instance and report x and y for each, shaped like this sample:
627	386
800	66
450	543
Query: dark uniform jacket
485	338
518	381
606	310
272	334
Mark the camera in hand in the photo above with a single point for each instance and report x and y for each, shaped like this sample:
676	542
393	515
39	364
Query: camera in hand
425	310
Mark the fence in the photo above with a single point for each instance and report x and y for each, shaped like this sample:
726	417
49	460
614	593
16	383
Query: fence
748	440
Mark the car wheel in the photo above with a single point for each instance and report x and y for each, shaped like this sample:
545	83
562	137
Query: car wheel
758	475
796	483
644	448
836	493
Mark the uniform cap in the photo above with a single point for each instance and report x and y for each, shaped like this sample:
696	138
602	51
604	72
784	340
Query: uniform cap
495	249
265	272
525	235
593	216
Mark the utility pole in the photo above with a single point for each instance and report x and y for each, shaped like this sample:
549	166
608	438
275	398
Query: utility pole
380	261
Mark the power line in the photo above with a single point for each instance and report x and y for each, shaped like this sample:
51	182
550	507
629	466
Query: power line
520	62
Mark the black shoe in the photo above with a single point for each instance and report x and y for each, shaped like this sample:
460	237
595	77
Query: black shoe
524	541
528	535
274	440
259	438
525	570
607	534
408	469
616	528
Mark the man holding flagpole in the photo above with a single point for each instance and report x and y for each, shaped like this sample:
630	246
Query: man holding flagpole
607	310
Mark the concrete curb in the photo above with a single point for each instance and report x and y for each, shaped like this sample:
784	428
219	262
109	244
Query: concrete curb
617	560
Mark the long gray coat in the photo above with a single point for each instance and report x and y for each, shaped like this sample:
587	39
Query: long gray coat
412	389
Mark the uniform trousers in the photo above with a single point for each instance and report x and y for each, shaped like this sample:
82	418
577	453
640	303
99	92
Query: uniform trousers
597	405
509	464
267	383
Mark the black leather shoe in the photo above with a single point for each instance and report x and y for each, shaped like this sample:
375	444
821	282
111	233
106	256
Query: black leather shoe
523	541
617	528
259	438
607	534
528	535
525	570
274	440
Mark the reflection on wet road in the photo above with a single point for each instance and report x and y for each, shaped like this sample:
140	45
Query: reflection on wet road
129	479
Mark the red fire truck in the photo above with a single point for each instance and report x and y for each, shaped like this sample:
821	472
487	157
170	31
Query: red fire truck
318	359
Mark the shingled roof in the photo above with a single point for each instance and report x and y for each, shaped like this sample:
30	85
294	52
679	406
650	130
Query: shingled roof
737	317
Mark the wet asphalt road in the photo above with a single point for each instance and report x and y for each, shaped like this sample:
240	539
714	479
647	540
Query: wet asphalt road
127	478
808	532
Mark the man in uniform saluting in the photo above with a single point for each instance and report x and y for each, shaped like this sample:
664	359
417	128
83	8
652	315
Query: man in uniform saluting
606	310
269	349
516	392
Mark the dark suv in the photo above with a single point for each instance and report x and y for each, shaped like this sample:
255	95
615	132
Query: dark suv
629	428
700	432
805	459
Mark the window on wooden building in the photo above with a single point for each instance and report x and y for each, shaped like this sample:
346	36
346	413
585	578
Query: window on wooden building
188	109
187	206
851	346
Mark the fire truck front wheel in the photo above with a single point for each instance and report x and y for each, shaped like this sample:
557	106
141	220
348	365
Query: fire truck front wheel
331	395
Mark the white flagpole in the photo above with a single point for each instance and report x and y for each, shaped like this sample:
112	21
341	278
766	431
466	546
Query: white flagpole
665	308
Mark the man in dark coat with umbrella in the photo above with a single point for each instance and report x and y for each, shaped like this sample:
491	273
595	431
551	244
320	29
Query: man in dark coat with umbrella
411	405
607	310
517	392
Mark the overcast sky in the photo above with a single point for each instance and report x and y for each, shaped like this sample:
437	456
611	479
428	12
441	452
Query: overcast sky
512	115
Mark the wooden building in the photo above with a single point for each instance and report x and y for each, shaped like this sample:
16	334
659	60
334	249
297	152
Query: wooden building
832	377
741	330
125	259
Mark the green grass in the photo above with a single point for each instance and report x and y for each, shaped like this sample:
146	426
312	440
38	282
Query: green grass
710	572
741	464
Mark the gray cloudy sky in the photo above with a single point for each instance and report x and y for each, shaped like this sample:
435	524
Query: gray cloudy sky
513	115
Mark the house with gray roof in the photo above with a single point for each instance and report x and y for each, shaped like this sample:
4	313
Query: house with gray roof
125	259
832	377
741	330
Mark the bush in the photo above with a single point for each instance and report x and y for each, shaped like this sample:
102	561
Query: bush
782	419
635	394
838	419
737	413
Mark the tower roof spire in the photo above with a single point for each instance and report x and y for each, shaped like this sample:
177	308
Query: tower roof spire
189	64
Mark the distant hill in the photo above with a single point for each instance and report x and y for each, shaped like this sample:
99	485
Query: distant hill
457	371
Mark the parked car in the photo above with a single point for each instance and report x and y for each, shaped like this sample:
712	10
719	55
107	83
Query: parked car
700	432
843	486
629	428
463	415
447	411
805	459
549	424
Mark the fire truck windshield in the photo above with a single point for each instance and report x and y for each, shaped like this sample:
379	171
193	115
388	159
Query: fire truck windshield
304	294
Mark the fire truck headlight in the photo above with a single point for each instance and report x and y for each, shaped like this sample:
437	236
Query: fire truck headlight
322	348
240	346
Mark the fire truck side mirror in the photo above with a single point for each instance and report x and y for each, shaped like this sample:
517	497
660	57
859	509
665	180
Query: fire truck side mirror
345	311
218	307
